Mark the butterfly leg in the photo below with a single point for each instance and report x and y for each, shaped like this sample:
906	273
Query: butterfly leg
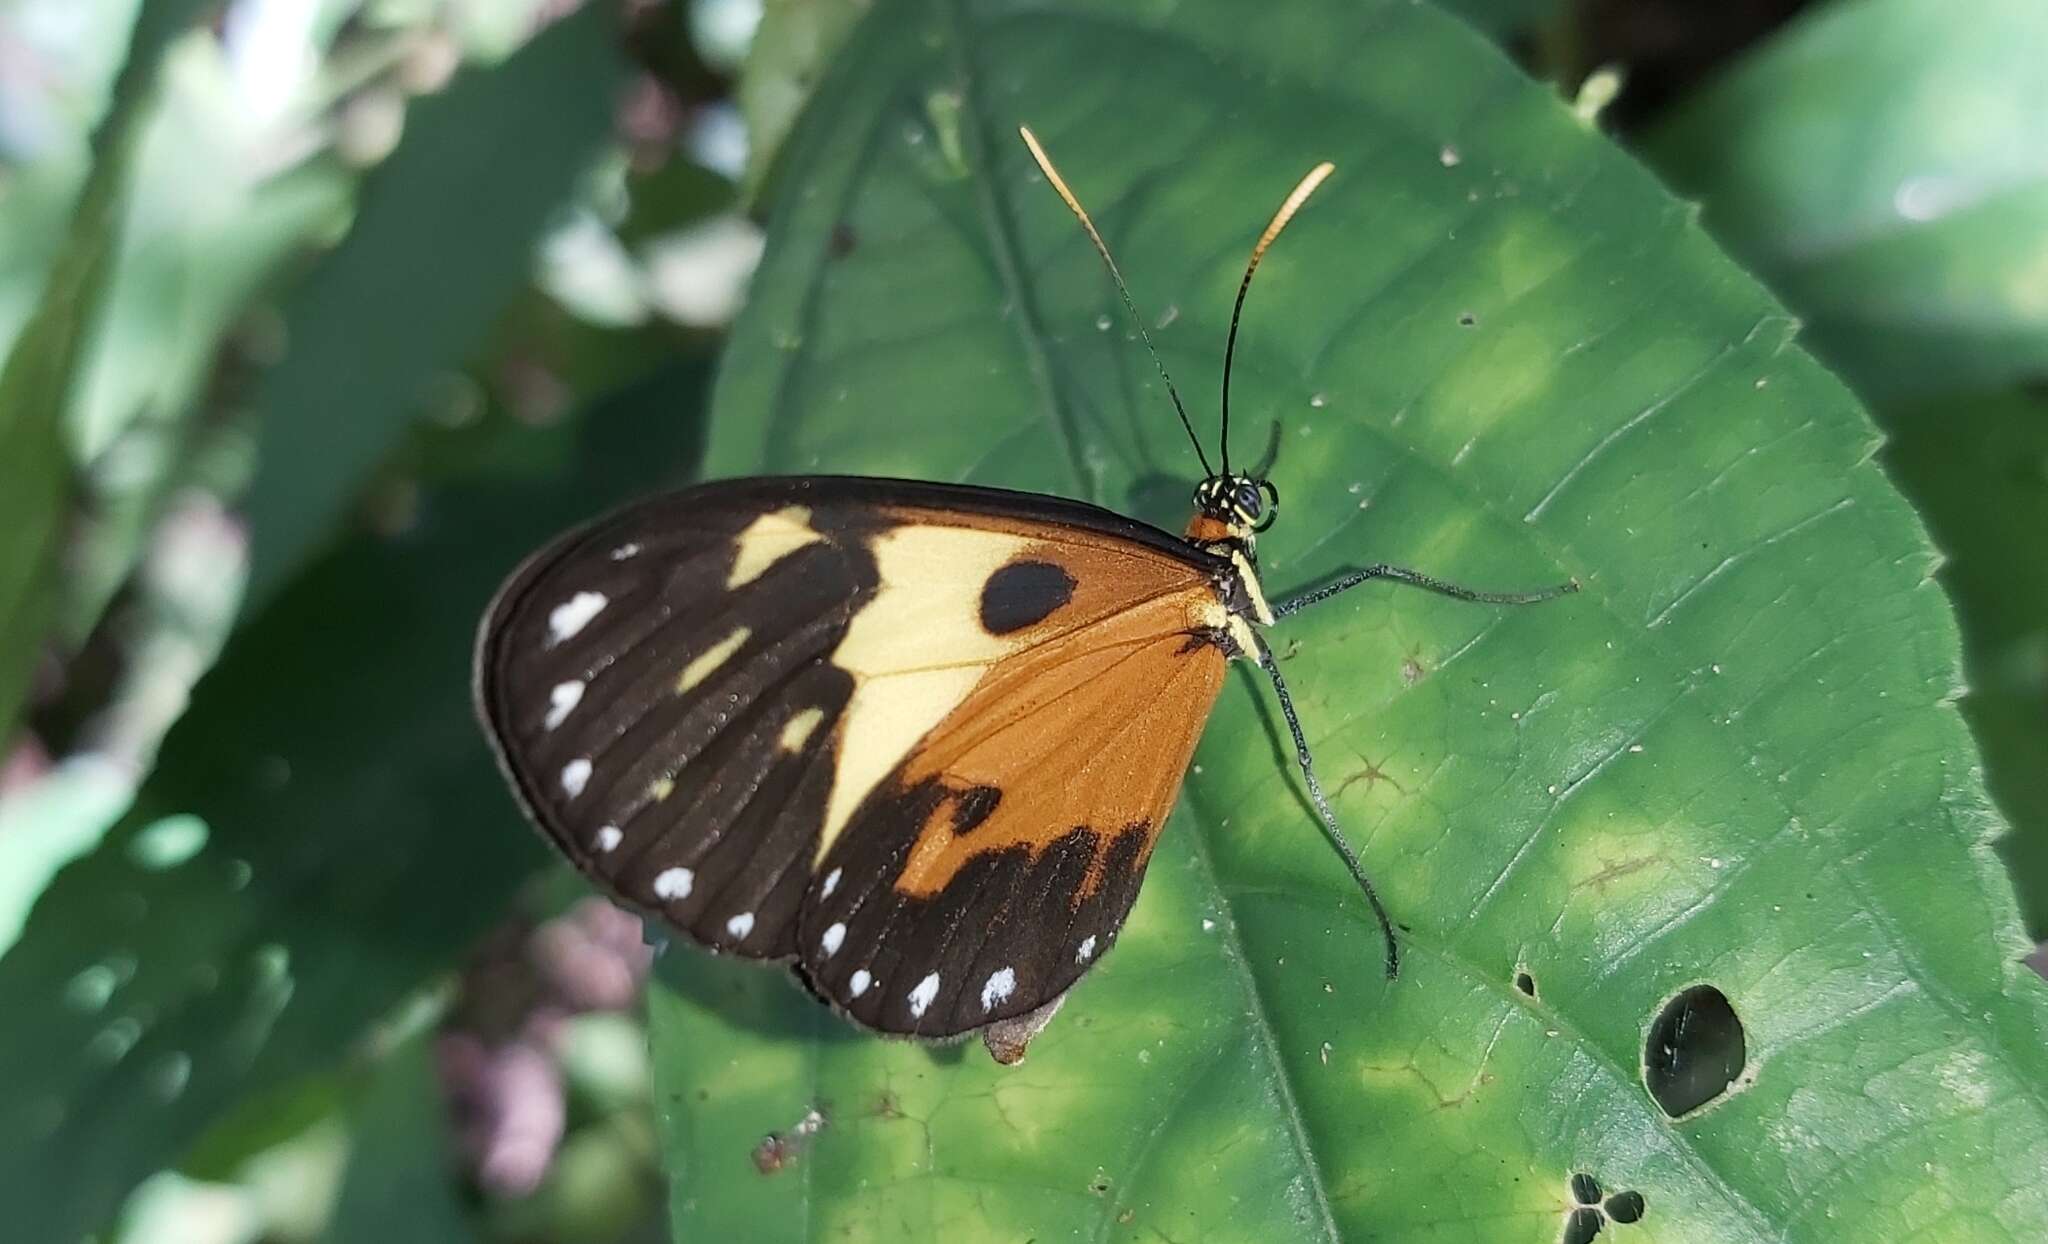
1327	818
1415	578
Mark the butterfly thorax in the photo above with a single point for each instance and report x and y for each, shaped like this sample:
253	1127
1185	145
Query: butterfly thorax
1230	511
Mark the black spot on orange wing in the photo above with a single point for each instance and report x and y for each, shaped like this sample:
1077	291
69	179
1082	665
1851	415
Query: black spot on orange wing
1023	594
931	932
975	805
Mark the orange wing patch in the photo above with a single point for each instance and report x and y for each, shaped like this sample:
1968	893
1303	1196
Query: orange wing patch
996	864
1090	730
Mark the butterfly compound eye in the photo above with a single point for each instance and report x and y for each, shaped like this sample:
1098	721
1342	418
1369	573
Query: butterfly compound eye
1248	500
1271	504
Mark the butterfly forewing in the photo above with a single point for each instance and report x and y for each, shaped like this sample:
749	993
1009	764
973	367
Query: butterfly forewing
906	730
660	709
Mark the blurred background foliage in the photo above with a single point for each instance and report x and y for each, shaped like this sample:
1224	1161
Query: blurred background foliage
317	313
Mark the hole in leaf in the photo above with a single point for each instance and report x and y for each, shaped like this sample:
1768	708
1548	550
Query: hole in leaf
1467	319
1585	1223
1585	1189
1626	1207
1694	1050
1526	983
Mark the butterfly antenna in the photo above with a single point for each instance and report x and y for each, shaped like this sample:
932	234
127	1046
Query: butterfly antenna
1303	189
1059	184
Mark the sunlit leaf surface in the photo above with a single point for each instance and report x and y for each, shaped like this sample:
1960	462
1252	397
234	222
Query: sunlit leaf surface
1883	165
1498	352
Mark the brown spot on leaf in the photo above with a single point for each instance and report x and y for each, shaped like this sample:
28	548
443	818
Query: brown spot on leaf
1372	775
773	1154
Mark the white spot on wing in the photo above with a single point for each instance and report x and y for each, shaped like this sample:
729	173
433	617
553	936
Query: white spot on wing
922	996
833	939
672	883
798	729
609	837
1086	950
565	697
573	614
1000	985
767	540
831	883
575	776
740	925
628	549
859	984
708	662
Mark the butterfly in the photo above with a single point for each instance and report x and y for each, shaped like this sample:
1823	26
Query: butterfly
916	739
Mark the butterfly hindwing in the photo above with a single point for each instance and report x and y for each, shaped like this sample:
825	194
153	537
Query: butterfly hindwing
713	699
995	866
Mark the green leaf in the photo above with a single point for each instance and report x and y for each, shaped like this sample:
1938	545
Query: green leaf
443	240
792	49
357	837
1505	19
400	1187
1885	167
42	363
203	232
1500	353
1977	467
47	824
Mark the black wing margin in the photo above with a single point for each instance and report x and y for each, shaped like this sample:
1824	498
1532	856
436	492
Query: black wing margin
669	732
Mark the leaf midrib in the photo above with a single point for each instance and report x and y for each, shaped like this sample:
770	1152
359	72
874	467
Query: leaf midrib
1033	341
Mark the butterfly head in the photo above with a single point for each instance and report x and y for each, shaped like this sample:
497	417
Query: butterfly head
1244	504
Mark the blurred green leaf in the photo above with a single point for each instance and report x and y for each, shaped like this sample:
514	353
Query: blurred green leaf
400	1183
359	837
1884	164
1505	19
792	50
1978	468
40	370
208	224
50	823
1499	352
62	69
443	240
